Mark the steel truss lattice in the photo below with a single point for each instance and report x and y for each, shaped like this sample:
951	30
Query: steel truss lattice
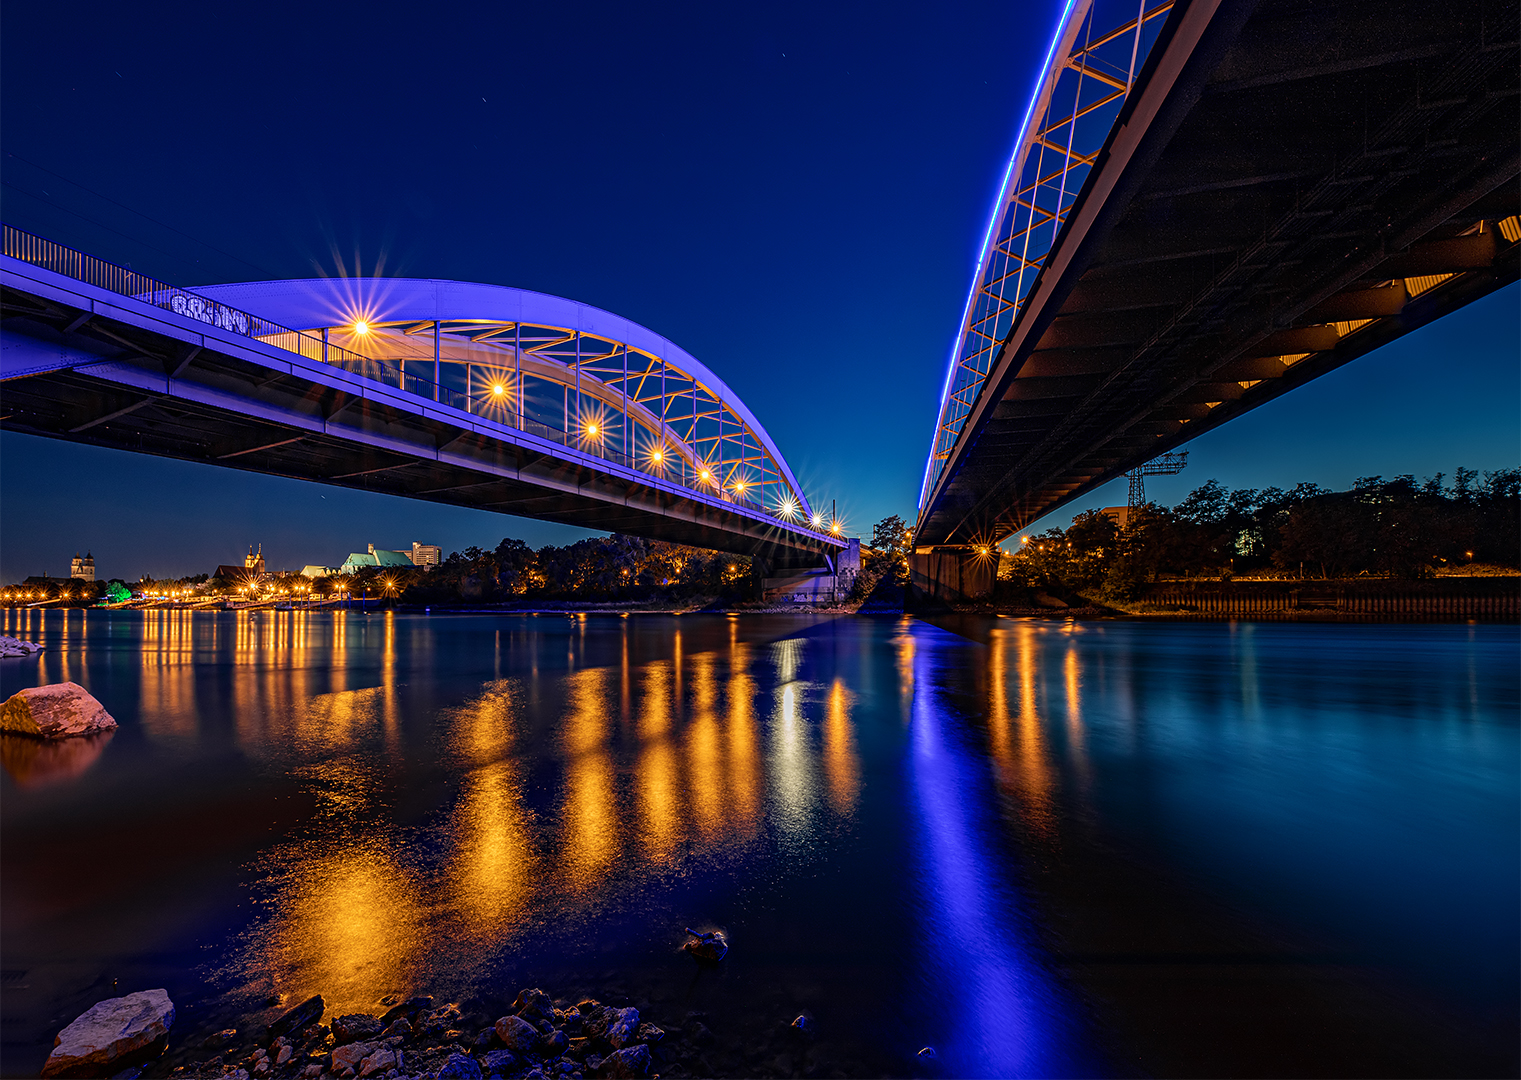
1091	66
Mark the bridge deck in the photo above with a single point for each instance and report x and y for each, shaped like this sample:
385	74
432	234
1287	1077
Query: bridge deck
1289	187
86	364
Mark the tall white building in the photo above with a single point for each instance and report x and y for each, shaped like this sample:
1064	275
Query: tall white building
426	554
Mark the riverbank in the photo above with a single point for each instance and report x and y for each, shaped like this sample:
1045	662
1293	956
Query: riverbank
535	1036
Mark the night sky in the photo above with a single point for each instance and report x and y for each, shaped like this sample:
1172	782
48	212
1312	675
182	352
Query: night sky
792	192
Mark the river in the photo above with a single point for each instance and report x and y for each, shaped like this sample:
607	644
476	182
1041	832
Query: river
1040	847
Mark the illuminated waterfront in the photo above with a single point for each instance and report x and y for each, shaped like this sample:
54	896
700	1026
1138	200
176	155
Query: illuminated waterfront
1041	847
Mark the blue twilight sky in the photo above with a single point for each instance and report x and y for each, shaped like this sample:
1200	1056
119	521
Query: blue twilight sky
793	192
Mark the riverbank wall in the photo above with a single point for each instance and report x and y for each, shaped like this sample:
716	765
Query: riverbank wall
1440	599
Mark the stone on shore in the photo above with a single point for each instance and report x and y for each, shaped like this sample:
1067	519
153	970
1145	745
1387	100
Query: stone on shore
10	646
534	1005
709	948
379	1061
303	1015
517	1034
628	1063
459	1067
409	1009
353	1055
357	1026
56	711
112	1034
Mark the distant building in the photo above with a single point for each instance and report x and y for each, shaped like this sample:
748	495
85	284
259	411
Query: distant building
426	554
253	562
234	575
315	571
83	569
1120	515
360	560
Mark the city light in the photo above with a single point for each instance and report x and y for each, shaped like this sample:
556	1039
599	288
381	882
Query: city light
787	509
818	519
498	389
657	455
706	475
361	328
591	429
834	527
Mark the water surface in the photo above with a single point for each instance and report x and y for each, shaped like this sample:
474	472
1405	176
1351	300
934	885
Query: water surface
1043	848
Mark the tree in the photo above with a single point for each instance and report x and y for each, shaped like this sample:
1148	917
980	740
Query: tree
891	545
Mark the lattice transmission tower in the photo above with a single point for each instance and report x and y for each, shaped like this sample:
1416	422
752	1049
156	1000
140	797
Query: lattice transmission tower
1166	465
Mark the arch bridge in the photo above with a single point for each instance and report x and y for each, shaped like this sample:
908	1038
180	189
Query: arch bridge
474	395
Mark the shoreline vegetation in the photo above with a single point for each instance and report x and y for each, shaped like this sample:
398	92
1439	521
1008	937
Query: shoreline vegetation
1382	548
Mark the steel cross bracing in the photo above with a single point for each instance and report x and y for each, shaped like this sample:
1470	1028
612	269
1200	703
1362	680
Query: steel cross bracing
1098	47
600	396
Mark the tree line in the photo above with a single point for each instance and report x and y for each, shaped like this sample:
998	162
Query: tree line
605	568
1397	527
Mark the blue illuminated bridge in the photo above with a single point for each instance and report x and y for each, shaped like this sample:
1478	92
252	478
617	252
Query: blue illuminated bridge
473	395
1210	203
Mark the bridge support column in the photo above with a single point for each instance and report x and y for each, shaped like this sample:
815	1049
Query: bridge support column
945	575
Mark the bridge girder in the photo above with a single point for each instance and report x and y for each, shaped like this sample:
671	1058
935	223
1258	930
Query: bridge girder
1287	188
87	365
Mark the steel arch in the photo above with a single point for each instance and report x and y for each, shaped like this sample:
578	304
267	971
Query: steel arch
553	367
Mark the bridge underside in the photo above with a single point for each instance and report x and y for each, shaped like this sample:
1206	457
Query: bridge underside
97	371
1290	187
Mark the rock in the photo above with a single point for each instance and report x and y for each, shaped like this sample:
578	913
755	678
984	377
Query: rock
459	1067
698	1032
56	711
112	1034
437	1022
220	1039
927	1054
571	1023
409	1008
709	948
284	1054
803	1026
499	1063
10	646
517	1034
380	1060
625	1064
312	1071
649	1034
356	1026
352	1055
308	1012
554	1044
402	1029
484	1039
617	1026
534	1005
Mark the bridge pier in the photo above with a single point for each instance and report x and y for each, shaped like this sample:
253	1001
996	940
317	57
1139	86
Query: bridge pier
945	575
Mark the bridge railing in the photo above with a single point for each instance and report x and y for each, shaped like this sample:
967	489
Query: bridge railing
72	263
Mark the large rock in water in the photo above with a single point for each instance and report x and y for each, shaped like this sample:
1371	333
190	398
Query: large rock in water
112	1034
56	711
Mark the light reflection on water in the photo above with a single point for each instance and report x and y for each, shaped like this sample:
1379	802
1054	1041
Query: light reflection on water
857	802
